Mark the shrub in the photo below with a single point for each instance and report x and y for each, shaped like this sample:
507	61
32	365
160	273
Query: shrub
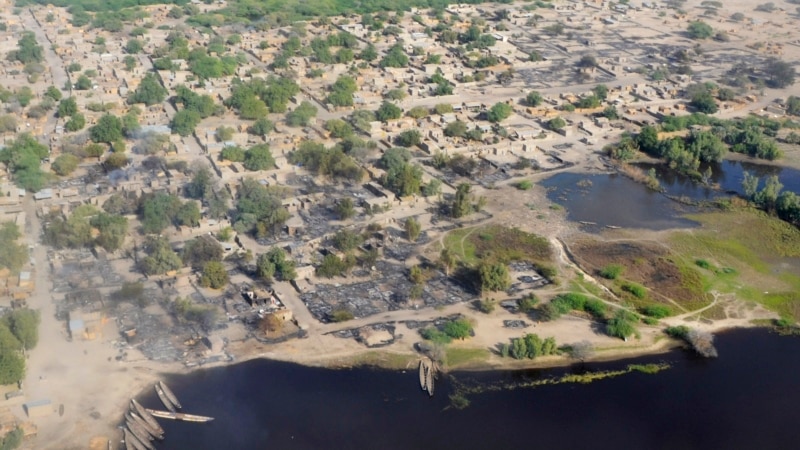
486	306
524	185
611	271
636	289
678	332
341	315
656	311
458	329
621	325
527	303
434	335
704	264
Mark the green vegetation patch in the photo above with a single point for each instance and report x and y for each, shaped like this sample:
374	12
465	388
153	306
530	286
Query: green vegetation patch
460	356
495	243
751	264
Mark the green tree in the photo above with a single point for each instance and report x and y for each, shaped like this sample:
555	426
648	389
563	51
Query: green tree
346	240
134	46
621	325
157	212
22	158
28	49
261	127
704	102
201	250
259	209
388	111
557	123
338	128
112	230
345	208
24	324
780	74
12	369
53	93
116	161
447	260
533	99
494	277
188	215
499	112
214	275
700	30
302	115
150	91
461	204
83	83
395	57
253	108
184	122
13	255
75	123
108	129
161	258
409	138
458	329
67	107
413	229
65	164
258	157
456	129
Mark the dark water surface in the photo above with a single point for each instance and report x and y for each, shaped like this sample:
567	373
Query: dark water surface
748	398
611	199
727	174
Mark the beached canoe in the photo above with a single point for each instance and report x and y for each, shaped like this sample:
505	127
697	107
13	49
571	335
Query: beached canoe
179	416
140	433
429	380
137	442
146	426
423	372
141	438
139	409
164	399
131	443
170	395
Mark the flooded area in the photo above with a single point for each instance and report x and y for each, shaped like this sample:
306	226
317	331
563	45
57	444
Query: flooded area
727	175
611	200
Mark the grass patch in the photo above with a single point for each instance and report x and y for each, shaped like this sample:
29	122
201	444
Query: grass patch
636	289
382	359
461	356
750	263
612	271
656	311
498	243
524	185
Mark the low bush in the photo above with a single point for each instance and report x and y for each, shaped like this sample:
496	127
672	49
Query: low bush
611	271
656	311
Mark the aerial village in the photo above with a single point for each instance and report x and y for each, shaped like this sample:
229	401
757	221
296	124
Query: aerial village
210	193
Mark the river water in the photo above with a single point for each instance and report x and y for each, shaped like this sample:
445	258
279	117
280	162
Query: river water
747	398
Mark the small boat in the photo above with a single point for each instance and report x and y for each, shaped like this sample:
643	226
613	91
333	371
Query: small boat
140	433
179	416
139	409
135	442
146	426
423	372
128	438
170	395
164	399
429	381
